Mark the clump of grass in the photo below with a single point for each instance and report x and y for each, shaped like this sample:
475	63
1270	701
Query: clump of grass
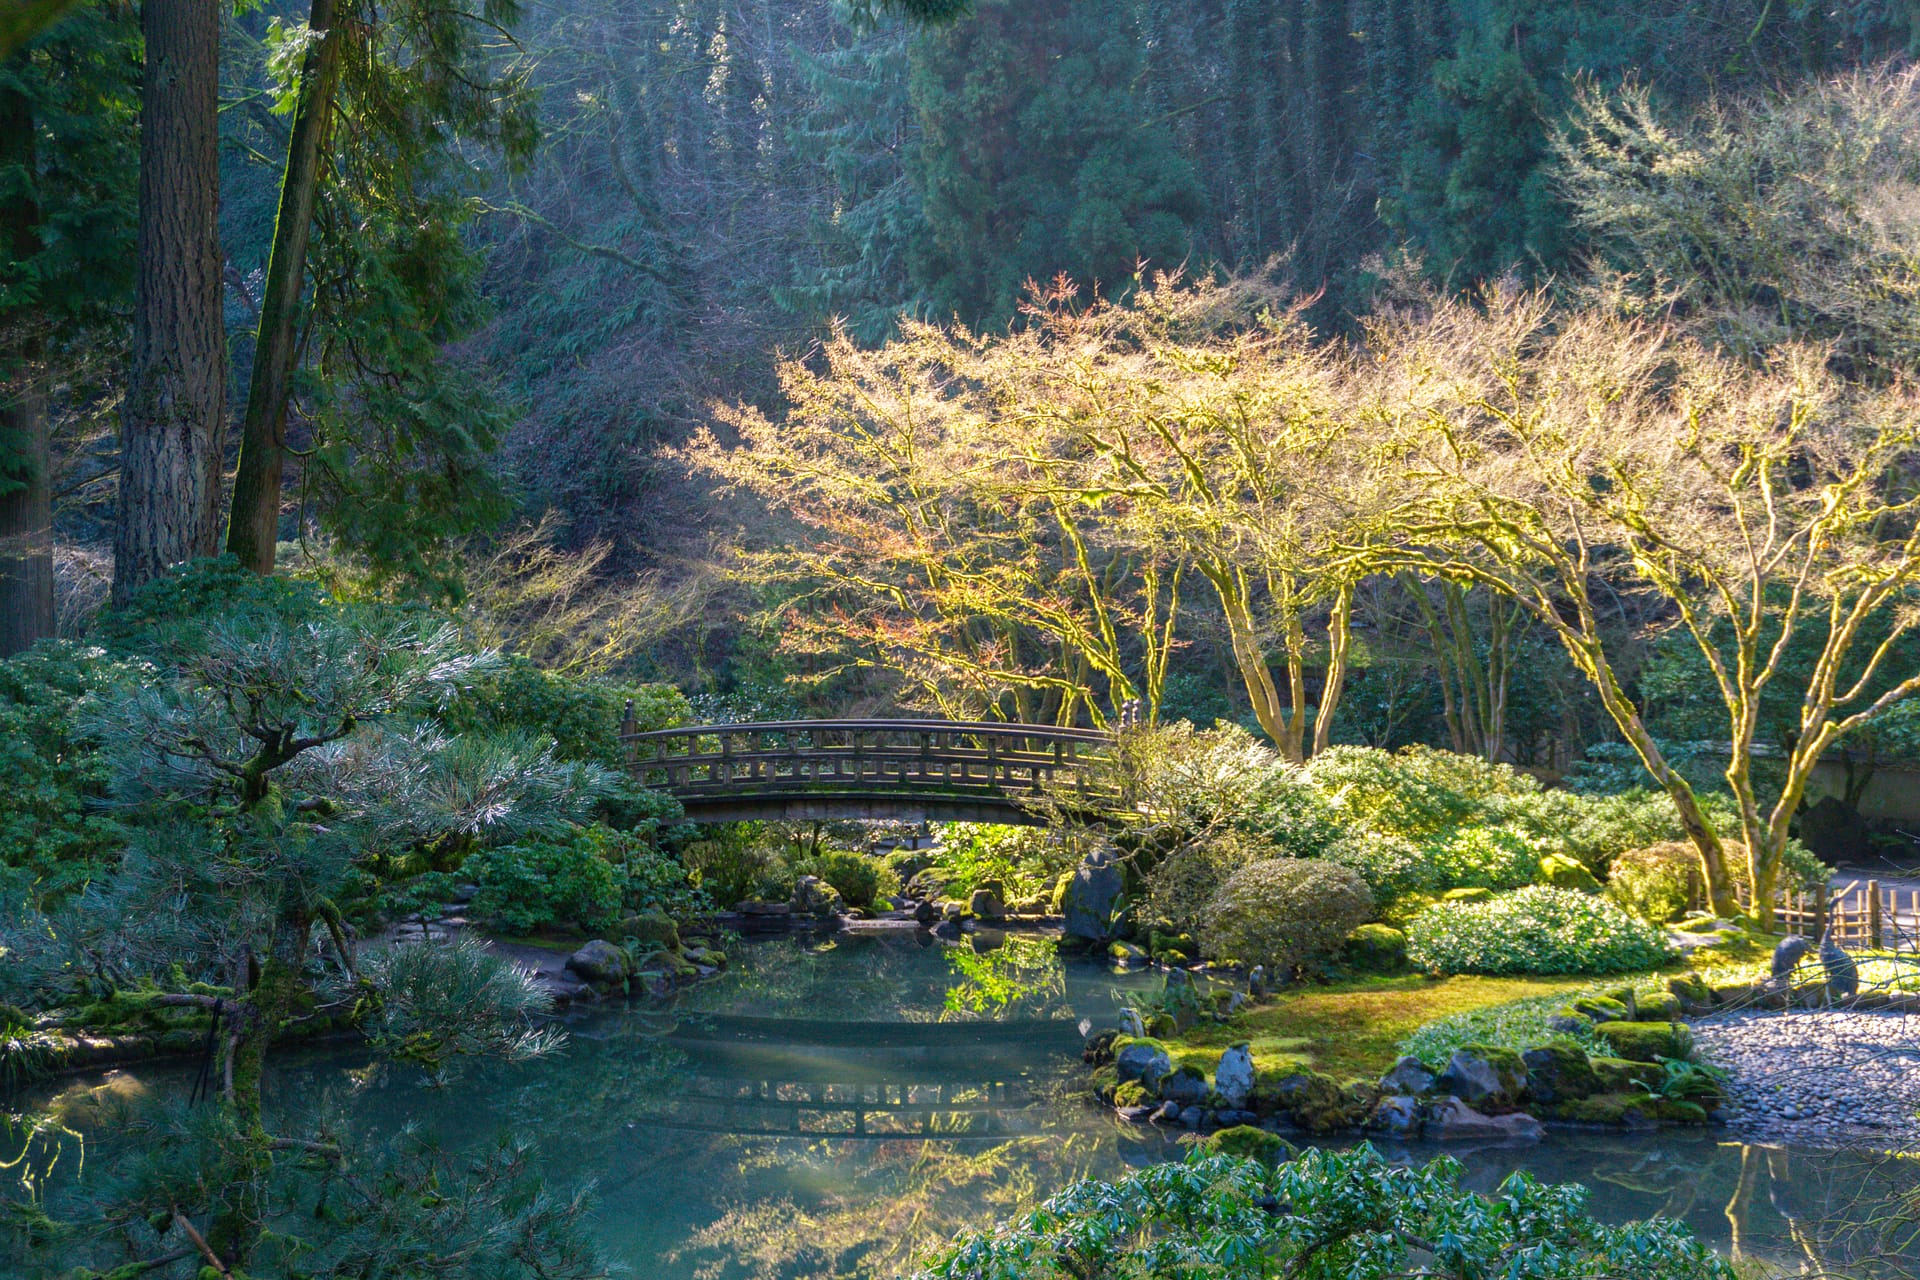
1518	1025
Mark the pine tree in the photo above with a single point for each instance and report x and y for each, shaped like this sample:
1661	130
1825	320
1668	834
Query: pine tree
860	129
174	415
1034	160
258	771
382	99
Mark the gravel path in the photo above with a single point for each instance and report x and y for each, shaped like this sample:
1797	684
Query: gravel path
1819	1076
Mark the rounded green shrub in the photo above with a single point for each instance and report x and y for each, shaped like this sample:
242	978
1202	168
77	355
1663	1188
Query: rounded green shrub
581	714
861	879
1538	929
584	877
545	883
1285	912
1417	792
734	865
1392	866
1657	883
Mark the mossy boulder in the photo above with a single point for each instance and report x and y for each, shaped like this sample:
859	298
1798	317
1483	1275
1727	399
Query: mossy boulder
1619	1075
1568	1020
1184	1085
1132	1093
1380	948
652	930
1602	1009
1559	1071
1475	894
1659	1006
1562	872
1173	948
1141	1058
929	883
1692	990
1249	1140
1106	1082
814	897
1628	998
601	964
1485	1077
1647	1041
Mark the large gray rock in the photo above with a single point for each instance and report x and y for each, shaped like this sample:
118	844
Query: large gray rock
1396	1115
1142	1061
1476	1079
1092	896
1185	1086
1407	1076
814	897
600	962
1451	1120
1233	1078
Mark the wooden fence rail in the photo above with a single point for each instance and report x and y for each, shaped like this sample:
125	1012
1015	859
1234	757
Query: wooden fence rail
1864	916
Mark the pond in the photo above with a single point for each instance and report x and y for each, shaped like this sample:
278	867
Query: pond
836	1107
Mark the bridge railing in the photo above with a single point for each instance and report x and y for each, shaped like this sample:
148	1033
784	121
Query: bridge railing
825	756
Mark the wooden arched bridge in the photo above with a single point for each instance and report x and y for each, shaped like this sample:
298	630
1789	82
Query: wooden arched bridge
903	770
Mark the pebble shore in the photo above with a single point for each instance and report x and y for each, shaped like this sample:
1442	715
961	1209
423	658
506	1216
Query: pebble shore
1826	1077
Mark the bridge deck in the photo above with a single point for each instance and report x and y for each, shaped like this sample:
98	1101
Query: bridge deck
914	769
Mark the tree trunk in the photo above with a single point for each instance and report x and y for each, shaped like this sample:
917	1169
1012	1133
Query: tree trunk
172	420
253	521
26	521
1339	642
26	506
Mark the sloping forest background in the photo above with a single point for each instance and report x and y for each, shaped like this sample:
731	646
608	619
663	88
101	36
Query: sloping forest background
713	180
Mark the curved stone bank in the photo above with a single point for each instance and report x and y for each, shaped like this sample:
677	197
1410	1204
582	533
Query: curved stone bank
1483	1093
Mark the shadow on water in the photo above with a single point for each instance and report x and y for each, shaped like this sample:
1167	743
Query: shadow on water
836	1108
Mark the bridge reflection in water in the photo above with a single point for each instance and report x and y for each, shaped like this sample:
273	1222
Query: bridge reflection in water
786	1077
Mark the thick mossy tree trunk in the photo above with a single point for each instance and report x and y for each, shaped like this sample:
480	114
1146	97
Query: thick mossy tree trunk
254	520
26	504
173	417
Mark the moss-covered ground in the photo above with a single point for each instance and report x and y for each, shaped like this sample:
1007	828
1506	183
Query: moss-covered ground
1352	1028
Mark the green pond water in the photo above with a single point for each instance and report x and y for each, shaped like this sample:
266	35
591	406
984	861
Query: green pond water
833	1108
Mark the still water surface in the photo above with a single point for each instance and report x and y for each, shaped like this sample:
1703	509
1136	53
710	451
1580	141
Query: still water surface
836	1108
